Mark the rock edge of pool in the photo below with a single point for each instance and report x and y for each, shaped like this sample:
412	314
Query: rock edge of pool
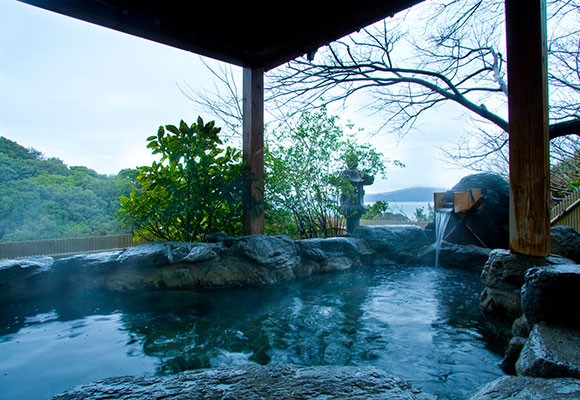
256	382
295	382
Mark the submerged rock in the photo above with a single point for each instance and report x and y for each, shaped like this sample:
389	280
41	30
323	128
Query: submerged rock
256	382
551	352
525	388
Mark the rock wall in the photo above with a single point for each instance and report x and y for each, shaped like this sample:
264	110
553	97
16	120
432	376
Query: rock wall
544	351
503	276
226	262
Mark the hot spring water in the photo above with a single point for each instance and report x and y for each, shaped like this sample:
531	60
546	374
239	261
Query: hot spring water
442	217
417	322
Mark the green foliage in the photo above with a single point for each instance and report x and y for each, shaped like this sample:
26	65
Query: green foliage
42	198
376	210
303	183
565	174
193	190
421	216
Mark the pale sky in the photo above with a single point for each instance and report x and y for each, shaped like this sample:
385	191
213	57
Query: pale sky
91	96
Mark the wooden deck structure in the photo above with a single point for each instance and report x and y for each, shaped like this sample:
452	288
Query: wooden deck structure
259	37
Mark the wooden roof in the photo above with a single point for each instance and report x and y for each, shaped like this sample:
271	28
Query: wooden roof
248	34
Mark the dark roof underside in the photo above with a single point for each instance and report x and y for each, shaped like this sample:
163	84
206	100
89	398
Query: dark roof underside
248	34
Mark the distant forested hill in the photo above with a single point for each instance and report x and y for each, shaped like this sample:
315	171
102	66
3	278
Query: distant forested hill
43	198
410	194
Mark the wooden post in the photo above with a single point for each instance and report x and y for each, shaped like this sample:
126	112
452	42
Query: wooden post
253	149
528	127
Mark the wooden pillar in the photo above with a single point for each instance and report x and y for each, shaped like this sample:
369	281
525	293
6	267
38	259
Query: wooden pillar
253	149
528	127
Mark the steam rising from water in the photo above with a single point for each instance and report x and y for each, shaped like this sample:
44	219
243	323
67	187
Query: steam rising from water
416	322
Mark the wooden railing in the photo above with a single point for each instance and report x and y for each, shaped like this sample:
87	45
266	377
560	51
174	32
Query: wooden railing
567	212
66	246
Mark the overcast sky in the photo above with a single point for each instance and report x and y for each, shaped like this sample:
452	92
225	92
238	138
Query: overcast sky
90	96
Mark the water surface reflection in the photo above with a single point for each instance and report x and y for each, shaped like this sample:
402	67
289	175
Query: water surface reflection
416	322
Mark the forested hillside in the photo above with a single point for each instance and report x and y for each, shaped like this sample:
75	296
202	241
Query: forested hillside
43	198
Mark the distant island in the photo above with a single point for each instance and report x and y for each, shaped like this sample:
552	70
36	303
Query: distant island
403	195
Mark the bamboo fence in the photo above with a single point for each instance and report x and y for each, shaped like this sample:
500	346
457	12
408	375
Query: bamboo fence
66	246
567	212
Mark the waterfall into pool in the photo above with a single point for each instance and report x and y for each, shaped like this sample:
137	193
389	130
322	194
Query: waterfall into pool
442	217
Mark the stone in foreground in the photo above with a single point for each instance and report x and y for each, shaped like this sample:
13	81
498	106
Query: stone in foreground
256	382
552	295
524	388
551	352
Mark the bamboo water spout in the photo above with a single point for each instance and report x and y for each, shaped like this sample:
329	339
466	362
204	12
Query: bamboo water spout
461	203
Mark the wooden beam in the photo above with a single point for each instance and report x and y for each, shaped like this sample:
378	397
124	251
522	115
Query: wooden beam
253	149
528	127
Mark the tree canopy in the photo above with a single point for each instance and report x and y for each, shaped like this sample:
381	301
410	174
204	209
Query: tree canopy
454	52
42	198
457	55
303	181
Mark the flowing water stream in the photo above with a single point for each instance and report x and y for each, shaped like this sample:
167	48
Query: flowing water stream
417	322
442	217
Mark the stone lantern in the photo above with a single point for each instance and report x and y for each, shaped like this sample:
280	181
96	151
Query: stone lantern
352	198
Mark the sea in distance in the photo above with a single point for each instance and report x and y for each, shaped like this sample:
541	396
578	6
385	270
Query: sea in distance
405	201
406	208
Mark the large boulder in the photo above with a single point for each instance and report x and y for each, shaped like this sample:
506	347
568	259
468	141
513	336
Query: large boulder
550	352
244	261
271	252
226	262
503	276
552	295
154	254
525	388
491	220
87	271
393	243
565	241
255	382
332	254
468	257
14	270
24	278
